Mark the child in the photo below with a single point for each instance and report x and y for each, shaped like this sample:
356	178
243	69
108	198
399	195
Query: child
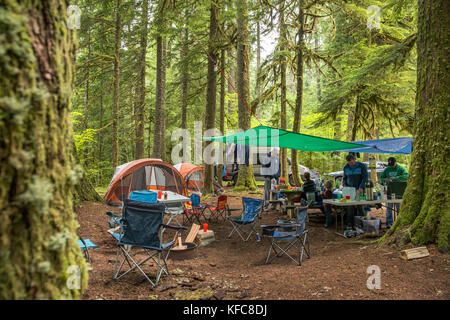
327	194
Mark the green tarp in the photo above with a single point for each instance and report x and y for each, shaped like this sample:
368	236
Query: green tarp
263	136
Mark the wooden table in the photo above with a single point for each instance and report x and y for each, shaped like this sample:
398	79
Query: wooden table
341	205
291	195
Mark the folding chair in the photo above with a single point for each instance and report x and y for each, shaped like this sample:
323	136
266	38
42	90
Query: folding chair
197	209
85	244
251	209
222	210
141	223
293	234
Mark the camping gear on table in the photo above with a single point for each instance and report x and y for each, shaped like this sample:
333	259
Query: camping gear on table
141	228
292	234
144	196
143	174
244	225
349	191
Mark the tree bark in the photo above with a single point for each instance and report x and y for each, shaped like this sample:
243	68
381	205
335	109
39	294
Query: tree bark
246	179
140	110
425	211
210	112
38	231
115	142
159	107
222	115
283	64
299	96
184	89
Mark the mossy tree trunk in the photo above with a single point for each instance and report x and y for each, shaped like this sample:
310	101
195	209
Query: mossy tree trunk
283	65
117	42
210	112
221	115
425	211
140	116
246	179
38	239
299	97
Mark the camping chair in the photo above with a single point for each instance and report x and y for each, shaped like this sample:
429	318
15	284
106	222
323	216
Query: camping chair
294	234
251	209
197	209
85	244
222	210
141	223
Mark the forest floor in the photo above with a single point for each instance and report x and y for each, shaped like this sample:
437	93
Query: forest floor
233	269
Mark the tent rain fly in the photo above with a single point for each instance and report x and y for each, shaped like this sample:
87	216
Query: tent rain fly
263	136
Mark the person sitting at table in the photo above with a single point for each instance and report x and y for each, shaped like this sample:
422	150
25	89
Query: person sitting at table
326	208
309	188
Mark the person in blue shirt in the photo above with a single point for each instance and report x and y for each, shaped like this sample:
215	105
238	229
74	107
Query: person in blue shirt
356	176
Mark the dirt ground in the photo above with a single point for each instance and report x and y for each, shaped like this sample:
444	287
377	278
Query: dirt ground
233	269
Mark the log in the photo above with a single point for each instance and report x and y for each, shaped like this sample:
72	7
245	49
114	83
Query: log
414	253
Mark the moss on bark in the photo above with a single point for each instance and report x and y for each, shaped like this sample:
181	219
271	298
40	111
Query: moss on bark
38	239
425	211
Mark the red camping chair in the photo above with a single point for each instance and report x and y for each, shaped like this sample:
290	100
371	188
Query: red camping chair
222	210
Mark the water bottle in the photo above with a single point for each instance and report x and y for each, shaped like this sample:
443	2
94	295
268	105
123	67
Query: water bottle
257	237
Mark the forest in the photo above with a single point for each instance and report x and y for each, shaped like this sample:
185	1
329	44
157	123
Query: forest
89	85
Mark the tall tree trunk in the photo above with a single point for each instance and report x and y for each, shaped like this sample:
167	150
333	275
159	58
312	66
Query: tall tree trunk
258	68
163	101
100	142
86	94
140	112
210	112
246	179
184	89
299	97
232	77
221	115
283	64
425	211
115	142
38	231
157	136
350	117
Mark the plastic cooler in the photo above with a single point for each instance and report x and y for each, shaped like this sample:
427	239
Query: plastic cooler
144	196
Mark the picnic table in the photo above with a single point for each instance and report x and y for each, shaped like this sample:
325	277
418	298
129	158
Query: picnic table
291	194
343	204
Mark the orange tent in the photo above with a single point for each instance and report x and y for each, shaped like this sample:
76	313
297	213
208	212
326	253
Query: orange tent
144	174
193	177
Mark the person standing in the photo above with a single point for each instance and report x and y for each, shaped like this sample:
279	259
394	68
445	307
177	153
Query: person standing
355	176
270	169
393	172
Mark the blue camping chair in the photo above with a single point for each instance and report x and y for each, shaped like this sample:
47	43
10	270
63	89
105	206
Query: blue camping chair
293	234
141	225
251	210
85	244
143	196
